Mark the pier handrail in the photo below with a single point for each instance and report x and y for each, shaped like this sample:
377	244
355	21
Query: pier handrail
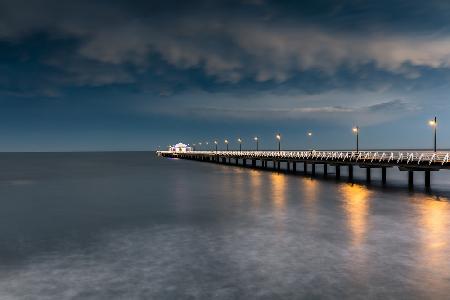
398	157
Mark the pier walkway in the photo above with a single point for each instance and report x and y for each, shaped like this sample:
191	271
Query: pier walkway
408	161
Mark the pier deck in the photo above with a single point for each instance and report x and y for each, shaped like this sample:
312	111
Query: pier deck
409	161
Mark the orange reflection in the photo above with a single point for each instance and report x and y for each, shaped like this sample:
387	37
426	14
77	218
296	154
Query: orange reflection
356	205
238	184
310	189
434	236
278	191
255	189
278	197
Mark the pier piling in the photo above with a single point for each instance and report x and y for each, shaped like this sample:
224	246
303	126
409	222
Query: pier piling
411	179
427	179
350	172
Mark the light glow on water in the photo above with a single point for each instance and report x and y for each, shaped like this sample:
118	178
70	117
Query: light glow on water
356	201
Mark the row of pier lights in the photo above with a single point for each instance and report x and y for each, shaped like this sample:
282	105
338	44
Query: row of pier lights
355	129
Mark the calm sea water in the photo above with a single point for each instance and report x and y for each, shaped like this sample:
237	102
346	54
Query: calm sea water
129	225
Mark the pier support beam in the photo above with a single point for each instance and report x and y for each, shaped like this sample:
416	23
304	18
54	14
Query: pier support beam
350	172
410	179
325	170
288	166
383	175
274	165
338	171
427	179
253	163
294	167
224	160
305	167
368	177
244	162
313	169
278	165
237	161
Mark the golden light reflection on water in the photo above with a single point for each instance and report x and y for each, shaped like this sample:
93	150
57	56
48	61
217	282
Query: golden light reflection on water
278	191
278	188
239	185
356	206
255	188
309	188
434	240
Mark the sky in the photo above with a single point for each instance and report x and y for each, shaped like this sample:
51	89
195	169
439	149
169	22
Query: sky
134	75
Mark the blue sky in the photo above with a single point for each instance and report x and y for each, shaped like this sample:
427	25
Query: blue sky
134	75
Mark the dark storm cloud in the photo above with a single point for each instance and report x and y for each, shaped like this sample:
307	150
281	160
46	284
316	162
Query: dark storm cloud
232	41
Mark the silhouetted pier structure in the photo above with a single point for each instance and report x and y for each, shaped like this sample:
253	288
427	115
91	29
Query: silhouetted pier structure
408	161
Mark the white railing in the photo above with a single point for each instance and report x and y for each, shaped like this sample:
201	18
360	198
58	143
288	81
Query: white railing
391	157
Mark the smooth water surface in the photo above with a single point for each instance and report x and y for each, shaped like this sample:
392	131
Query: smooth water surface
129	225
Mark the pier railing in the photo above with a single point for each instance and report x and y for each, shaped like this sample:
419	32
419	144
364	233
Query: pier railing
372	157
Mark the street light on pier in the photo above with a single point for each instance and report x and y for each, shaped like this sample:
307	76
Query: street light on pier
193	146
240	144
226	143
278	136
200	146
356	131
257	142
215	143
310	138
433	123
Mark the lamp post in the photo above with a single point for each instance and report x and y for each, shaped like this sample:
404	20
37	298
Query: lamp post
310	139
278	136
257	143
433	123
240	144
193	147
356	131
215	143
200	146
226	143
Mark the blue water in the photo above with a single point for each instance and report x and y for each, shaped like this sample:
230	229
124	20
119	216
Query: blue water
129	225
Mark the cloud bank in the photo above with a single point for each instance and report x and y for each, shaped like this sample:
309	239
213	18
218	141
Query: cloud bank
228	45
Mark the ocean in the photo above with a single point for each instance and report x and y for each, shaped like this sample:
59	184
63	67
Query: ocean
131	225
